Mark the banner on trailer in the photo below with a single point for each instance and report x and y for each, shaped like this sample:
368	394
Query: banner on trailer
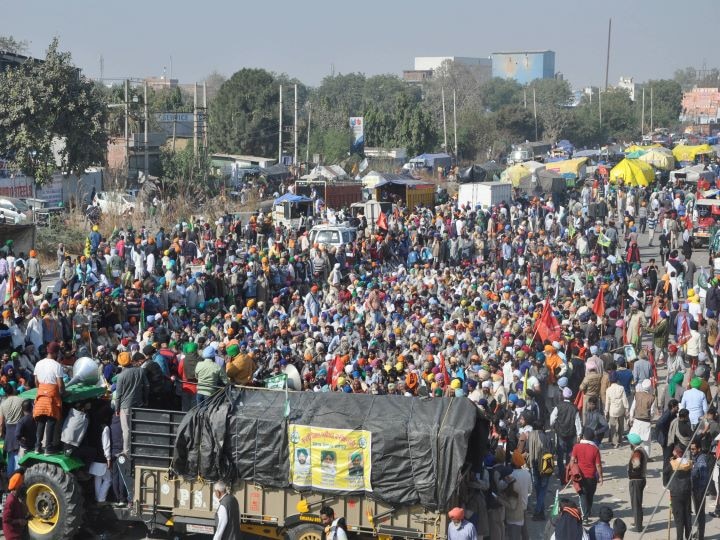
329	458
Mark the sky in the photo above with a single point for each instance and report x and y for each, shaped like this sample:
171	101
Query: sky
650	39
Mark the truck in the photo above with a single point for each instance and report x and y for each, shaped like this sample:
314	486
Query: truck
336	194
529	151
387	482
484	194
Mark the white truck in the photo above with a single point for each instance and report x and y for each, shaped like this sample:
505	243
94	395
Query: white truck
529	151
484	194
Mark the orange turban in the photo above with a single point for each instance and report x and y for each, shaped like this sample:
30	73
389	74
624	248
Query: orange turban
16	481
124	359
457	514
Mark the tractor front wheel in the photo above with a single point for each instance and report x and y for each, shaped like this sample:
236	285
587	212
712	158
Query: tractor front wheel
54	501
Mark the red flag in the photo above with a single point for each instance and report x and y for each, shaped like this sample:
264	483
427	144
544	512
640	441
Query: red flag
547	326
599	305
579	400
443	370
335	370
685	334
382	221
655	311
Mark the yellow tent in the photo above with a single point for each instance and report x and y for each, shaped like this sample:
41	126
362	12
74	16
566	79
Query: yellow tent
632	172
515	174
689	153
575	166
660	158
636	147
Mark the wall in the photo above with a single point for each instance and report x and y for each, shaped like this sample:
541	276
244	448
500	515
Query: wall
524	66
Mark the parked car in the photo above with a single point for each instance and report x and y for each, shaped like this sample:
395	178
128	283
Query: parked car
332	235
14	211
115	202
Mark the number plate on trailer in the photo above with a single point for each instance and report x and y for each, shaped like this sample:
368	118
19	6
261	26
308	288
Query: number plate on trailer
200	529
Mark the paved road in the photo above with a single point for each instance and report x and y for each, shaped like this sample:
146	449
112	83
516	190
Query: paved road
615	491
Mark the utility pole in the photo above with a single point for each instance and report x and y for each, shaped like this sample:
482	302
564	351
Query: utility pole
442	90
295	131
607	59
652	125
127	140
642	115
600	105
535	114
204	118
525	98
307	144
280	130
195	120
455	125
145	141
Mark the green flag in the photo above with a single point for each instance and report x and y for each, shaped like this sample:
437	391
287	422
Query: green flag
603	240
556	505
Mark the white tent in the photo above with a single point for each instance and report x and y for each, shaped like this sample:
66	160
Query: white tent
691	174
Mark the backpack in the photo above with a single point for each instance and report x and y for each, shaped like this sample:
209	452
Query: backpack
546	464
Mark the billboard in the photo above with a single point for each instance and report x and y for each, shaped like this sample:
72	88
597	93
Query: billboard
330	459
357	126
525	66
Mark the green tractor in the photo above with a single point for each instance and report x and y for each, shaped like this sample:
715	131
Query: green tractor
54	496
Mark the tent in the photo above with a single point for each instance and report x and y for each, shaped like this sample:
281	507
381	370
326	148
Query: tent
660	158
547	183
534	166
587	154
515	174
291	198
637	147
573	167
472	174
691	174
632	172
689	153
635	154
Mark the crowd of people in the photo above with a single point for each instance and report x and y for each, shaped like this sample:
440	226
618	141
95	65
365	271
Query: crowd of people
534	310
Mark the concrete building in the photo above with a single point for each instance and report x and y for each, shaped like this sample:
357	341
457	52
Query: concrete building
523	66
701	106
134	153
161	83
425	66
627	83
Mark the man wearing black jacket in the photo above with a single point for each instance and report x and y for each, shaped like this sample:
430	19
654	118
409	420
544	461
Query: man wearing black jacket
661	431
680	490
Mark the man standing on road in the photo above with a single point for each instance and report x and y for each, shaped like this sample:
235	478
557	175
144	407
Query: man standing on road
642	412
699	479
680	491
637	474
662	428
459	528
334	527
565	418
227	518
587	455
617	409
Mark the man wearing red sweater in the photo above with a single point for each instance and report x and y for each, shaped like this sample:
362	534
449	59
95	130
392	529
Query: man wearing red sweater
587	456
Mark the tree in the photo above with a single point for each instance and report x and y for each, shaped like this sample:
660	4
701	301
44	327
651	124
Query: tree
333	144
11	45
690	77
414	129
181	172
667	102
243	115
213	82
498	93
43	103
552	98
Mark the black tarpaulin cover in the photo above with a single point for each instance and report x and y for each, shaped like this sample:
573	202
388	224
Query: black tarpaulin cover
419	446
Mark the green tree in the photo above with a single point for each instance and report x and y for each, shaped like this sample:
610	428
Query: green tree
11	45
333	144
415	127
43	103
243	115
667	102
182	174
498	93
619	116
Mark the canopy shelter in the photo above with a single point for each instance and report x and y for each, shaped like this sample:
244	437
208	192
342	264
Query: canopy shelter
592	153
689	153
660	158
635	154
515	174
534	166
569	167
632	172
291	198
691	174
637	147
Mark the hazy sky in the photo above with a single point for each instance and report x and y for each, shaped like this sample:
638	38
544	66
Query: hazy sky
303	39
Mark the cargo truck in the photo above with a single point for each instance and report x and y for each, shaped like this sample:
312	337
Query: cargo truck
410	461
484	194
336	194
529	151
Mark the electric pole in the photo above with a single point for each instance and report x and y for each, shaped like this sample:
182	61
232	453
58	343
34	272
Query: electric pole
307	144
127	140
442	90
195	120
145	114
280	137
607	58
295	130
455	125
